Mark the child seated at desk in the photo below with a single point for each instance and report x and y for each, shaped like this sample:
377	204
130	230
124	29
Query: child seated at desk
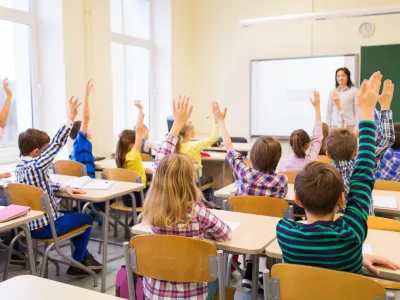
174	206
37	155
342	143
148	145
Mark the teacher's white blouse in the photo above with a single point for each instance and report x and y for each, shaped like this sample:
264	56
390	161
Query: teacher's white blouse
348	101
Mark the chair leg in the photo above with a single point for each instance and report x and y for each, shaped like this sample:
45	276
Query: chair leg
228	268
101	243
43	269
116	223
126	230
10	250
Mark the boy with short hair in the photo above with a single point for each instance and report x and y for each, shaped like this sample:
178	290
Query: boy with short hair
341	144
390	165
323	242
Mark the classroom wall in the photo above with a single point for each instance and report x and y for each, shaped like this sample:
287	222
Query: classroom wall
221	50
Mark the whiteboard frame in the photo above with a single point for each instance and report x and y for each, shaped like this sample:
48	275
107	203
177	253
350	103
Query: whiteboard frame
279	137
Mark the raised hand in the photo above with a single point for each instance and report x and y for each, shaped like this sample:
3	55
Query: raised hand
138	104
368	95
336	100
385	99
89	87
218	114
6	88
73	106
317	100
182	111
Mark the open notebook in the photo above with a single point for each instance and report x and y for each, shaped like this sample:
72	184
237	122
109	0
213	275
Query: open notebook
87	183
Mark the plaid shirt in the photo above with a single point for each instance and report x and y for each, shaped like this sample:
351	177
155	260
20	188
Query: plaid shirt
167	147
390	166
252	182
384	140
34	171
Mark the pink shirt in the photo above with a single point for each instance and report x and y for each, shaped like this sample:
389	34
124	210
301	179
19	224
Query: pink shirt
295	164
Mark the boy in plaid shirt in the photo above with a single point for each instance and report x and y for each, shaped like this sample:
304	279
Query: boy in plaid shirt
390	164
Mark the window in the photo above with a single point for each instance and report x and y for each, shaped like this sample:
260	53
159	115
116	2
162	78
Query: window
131	60
15	61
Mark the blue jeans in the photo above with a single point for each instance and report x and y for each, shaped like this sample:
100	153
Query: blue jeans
66	223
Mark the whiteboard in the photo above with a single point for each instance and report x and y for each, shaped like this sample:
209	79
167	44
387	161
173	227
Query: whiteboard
281	89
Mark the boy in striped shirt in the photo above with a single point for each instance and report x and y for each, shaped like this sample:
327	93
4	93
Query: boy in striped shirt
323	242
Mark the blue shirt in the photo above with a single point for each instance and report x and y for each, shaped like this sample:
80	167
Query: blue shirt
390	166
82	152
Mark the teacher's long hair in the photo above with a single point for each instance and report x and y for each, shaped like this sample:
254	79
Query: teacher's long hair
347	72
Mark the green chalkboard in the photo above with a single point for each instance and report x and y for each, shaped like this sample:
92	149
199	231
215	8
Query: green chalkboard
386	59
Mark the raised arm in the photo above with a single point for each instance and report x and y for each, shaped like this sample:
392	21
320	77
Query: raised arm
7	104
316	142
220	118
140	130
182	112
340	112
329	110
86	109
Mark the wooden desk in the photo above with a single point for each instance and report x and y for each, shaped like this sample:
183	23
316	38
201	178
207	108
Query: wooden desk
28	287
22	222
118	189
251	237
383	243
228	191
241	147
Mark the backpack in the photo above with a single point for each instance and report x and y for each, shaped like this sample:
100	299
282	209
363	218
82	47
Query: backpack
121	285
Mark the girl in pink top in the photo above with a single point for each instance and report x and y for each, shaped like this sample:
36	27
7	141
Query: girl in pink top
300	143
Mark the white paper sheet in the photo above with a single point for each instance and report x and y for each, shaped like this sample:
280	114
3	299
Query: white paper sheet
232	225
367	249
385	201
87	183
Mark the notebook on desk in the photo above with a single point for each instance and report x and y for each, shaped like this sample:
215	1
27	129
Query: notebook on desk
13	211
385	201
87	183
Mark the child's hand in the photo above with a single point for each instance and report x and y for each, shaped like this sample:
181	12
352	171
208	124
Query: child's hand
5	175
140	130
317	100
385	99
89	87
336	100
6	88
71	192
368	96
139	105
369	262
73	106
218	114
148	171
181	110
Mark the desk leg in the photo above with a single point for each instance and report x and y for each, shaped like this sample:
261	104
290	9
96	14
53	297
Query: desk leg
254	288
105	246
223	174
29	245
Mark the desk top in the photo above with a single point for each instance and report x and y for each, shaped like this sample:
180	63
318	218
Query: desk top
383	243
32	215
110	163
241	147
118	189
251	237
28	287
229	191
215	156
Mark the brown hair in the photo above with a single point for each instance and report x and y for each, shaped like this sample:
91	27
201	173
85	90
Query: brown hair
341	144
265	154
126	138
298	140
347	72
318	187
75	129
172	194
325	132
396	144
32	139
182	134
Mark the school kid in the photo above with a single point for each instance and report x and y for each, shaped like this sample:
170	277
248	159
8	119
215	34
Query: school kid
127	154
300	143
390	164
81	135
325	133
148	145
259	180
37	153
323	242
342	144
174	206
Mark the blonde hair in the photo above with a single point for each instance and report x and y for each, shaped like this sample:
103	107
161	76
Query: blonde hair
182	134
172	194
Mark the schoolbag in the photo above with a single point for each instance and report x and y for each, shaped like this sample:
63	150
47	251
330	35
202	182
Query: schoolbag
121	285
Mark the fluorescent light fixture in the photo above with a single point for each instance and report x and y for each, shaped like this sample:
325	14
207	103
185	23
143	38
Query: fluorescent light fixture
318	16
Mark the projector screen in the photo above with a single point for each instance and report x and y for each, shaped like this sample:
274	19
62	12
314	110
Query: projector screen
281	89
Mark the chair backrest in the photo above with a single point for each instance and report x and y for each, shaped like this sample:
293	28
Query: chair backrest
23	194
305	282
257	205
124	175
380	223
69	167
324	158
145	156
291	176
386	185
236	139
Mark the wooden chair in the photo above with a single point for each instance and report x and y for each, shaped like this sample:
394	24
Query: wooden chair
386	185
380	223
291	176
289	282
324	159
37	199
145	157
70	168
125	175
182	259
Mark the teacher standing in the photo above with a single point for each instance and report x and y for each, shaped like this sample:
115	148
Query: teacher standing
342	101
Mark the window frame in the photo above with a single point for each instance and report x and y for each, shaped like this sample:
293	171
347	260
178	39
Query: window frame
11	154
